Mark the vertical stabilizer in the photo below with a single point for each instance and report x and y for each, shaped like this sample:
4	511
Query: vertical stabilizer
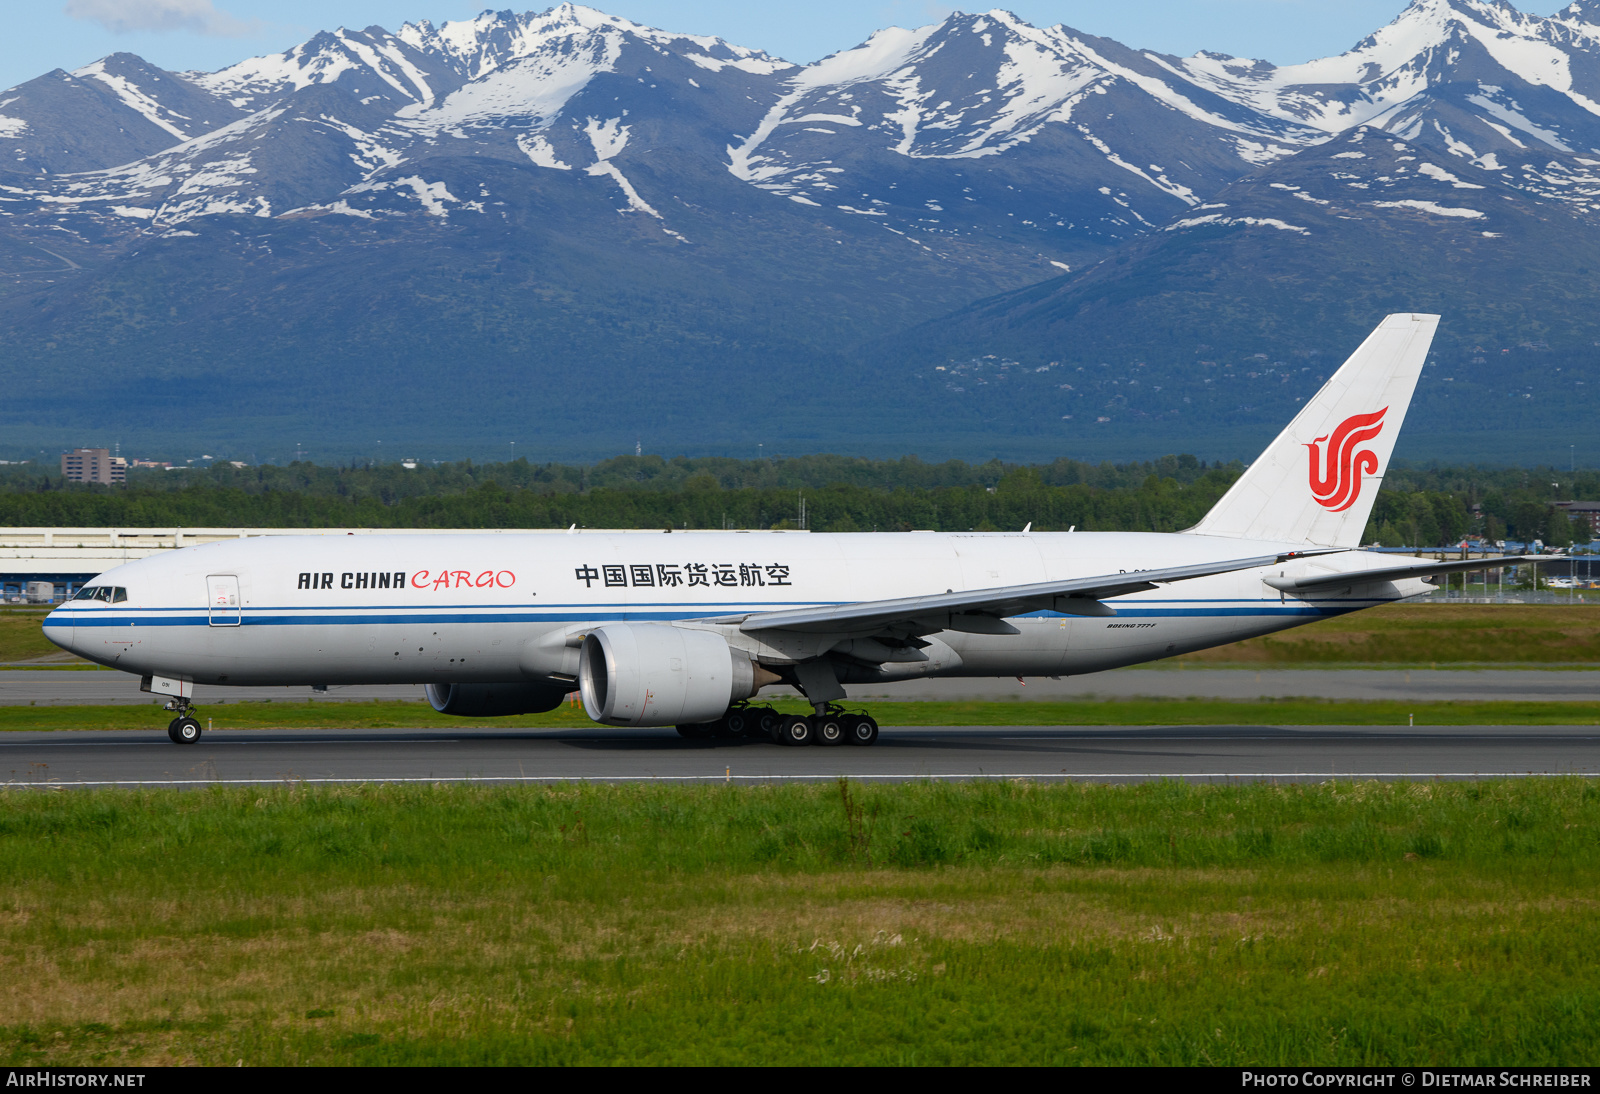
1317	481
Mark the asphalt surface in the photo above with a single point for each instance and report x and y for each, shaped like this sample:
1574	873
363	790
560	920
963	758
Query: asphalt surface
82	759
55	687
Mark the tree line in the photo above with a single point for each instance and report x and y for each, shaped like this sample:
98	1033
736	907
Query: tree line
1416	507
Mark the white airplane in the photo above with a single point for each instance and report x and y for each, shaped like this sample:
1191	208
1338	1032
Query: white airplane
685	630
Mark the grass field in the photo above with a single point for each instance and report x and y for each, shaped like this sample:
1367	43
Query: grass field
1516	635
21	638
1111	712
999	923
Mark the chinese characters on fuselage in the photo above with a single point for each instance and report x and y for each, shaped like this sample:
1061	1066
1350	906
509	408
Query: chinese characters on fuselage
660	575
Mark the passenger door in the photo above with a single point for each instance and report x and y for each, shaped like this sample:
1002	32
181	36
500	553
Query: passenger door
222	597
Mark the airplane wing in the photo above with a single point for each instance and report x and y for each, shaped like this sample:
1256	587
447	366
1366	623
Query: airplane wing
981	610
1315	582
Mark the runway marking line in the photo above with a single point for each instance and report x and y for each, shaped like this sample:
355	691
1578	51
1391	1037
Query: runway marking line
236	741
49	785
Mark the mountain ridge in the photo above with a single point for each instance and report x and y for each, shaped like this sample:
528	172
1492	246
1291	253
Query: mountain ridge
550	202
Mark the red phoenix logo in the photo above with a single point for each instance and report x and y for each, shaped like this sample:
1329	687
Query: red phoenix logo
1336	472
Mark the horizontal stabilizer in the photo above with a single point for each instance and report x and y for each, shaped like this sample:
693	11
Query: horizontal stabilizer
1315	582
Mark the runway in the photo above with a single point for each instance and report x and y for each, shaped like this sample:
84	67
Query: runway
140	758
57	687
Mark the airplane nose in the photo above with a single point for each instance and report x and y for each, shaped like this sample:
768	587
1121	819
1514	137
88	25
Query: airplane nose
58	628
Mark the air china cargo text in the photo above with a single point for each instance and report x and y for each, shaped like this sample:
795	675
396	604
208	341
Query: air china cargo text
422	579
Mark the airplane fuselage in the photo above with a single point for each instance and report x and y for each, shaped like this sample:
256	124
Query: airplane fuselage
484	608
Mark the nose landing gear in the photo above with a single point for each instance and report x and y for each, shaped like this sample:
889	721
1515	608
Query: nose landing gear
184	729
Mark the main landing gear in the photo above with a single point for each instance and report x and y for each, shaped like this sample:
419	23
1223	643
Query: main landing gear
832	726
184	729
741	721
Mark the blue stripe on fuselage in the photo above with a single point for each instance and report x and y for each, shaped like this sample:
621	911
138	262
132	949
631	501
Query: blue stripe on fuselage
323	617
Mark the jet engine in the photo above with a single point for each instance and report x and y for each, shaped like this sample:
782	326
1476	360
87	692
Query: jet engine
652	674
494	700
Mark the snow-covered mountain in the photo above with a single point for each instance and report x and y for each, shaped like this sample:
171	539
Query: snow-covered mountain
114	111
837	201
979	123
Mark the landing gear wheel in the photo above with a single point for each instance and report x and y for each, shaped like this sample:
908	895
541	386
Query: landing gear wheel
795	730
765	720
830	730
184	731
860	729
735	723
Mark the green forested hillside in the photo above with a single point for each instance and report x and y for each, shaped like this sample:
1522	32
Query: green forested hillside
1417	505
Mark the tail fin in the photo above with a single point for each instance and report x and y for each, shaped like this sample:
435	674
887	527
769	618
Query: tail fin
1316	483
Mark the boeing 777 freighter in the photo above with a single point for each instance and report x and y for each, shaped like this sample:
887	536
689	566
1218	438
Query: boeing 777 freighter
675	630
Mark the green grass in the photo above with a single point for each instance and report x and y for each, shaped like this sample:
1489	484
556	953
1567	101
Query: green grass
1441	635
1348	924
1111	712
22	638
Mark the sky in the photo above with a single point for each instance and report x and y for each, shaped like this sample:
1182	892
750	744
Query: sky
41	35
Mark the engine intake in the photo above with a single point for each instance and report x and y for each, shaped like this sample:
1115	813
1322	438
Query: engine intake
652	674
494	700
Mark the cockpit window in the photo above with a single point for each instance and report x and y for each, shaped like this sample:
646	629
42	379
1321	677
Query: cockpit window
111	594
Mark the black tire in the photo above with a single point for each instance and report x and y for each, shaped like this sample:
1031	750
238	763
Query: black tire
795	730
860	729
830	730
735	723
766	720
184	731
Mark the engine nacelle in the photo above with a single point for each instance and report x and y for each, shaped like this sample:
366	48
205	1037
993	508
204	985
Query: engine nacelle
652	674
494	700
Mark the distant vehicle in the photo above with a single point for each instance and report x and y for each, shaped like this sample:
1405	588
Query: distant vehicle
39	592
685	630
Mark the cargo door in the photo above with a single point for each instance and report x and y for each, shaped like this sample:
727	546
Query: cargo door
222	595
